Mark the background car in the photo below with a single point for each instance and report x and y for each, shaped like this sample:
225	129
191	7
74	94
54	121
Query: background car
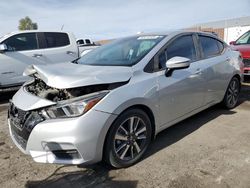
86	45
242	44
115	99
23	48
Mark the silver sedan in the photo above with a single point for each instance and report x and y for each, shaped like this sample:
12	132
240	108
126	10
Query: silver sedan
112	102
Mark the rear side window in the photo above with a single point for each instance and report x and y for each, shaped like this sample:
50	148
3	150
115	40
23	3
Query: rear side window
182	46
80	41
56	39
210	46
87	41
221	46
21	42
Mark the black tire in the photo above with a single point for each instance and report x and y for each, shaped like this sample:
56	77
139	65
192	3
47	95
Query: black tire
132	144
232	94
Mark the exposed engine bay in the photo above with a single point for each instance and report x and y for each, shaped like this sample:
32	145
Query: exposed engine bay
39	88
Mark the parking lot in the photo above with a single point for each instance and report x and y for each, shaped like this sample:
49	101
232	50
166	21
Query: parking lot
210	149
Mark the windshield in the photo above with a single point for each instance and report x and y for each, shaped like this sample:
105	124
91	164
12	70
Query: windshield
121	52
244	39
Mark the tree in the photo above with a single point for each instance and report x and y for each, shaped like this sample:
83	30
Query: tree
27	24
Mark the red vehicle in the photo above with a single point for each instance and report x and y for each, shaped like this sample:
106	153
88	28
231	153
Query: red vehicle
242	44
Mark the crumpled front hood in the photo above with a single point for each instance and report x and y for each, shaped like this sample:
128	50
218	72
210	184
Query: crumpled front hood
69	75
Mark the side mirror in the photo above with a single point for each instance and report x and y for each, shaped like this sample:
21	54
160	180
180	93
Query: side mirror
176	63
232	43
3	48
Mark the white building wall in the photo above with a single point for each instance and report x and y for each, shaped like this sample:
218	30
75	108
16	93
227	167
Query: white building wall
233	33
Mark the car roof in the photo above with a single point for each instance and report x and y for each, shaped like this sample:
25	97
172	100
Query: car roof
173	33
176	32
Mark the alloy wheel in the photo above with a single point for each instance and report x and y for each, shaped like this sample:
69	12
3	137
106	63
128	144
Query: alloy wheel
130	138
233	93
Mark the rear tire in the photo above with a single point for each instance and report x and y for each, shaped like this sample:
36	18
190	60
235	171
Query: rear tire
128	139
232	94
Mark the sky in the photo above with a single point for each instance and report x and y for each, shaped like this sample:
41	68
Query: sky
105	19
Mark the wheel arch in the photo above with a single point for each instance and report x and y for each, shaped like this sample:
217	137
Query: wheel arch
142	107
149	113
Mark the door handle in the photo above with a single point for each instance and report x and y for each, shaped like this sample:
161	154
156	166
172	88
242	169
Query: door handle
196	73
37	55
70	52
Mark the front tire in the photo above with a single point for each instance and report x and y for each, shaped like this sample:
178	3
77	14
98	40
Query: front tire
128	138
232	94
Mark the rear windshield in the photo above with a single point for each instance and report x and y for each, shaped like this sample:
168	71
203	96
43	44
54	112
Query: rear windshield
122	52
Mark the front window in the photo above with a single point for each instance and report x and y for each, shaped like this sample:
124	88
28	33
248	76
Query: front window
244	39
20	42
182	46
122	52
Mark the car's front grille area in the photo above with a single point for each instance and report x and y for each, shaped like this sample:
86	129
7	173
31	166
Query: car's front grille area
22	123
246	62
20	137
17	116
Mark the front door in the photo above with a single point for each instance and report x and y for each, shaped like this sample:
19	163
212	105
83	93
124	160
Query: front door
183	91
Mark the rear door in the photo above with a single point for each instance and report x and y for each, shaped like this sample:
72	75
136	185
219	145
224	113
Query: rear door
23	50
59	47
216	68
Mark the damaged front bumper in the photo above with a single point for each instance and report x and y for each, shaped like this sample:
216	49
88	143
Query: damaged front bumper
65	141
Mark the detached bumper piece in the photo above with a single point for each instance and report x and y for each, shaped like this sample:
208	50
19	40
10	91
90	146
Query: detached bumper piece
22	123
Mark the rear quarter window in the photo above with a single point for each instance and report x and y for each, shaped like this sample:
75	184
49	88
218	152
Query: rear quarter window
210	46
56	39
221	46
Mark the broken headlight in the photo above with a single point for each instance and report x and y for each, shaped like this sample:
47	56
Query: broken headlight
73	107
